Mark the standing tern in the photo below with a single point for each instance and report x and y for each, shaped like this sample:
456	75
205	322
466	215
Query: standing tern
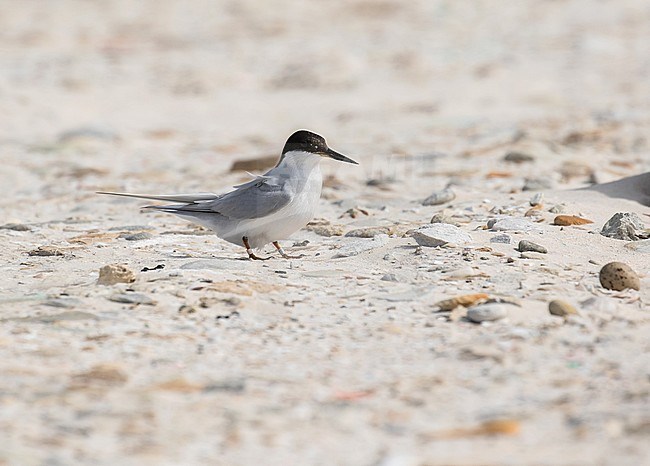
267	209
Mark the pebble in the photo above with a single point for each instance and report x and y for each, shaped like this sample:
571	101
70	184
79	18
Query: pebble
443	218
62	302
619	276
354	248
625	226
518	157
567	220
536	199
537	184
15	227
557	307
370	232
132	298
326	230
136	236
84	133
235	385
558	209
389	277
440	197
381	183
45	251
513	224
440	234
486	312
502	238
115	273
125	228
525	245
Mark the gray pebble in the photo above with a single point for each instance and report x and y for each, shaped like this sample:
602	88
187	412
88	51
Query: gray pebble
132	298
536	199
525	245
130	228
625	226
389	277
442	218
486	312
369	232
15	227
502	238
235	385
440	197
537	184
518	157
45	251
440	234
88	132
513	224
62	302
558	209
136	236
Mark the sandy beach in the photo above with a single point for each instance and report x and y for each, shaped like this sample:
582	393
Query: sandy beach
476	125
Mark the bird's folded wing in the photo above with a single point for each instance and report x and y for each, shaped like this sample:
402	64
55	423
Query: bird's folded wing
258	198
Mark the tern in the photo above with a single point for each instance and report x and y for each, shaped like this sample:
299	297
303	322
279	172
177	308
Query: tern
265	210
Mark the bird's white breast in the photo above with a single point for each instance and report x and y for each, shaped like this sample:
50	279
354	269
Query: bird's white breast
304	178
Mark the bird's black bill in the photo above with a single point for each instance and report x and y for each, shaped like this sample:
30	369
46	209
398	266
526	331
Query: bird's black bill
336	156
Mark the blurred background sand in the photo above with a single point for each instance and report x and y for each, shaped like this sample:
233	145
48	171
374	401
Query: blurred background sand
163	95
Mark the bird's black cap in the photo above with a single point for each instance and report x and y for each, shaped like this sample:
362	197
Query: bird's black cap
306	141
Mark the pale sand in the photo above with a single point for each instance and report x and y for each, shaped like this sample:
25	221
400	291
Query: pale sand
318	361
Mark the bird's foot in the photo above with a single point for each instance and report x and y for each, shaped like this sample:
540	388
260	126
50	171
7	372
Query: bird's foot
252	256
284	254
287	256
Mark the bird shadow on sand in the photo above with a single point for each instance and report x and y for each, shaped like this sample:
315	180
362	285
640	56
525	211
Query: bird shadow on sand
634	188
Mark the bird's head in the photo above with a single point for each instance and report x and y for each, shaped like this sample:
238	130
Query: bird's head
306	141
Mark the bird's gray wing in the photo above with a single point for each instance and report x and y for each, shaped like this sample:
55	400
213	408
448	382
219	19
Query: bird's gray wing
257	198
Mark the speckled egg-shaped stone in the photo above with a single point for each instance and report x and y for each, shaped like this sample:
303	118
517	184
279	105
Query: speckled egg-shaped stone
619	276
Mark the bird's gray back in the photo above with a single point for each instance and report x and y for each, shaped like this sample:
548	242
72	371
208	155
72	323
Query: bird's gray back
258	198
